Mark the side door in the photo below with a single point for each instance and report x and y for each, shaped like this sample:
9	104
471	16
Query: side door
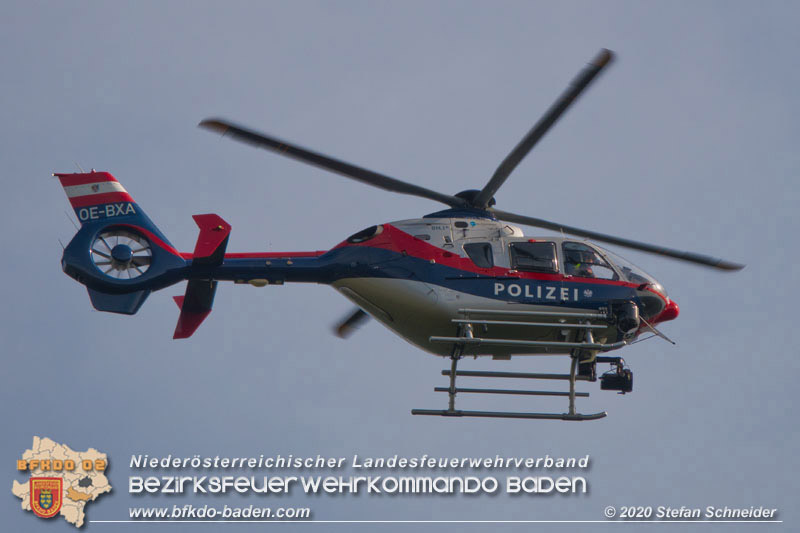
480	256
535	276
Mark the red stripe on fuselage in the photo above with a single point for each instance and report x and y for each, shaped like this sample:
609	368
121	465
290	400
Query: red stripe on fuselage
152	236
399	241
662	296
264	255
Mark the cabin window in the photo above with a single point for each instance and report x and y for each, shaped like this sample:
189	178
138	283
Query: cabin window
480	253
583	261
534	256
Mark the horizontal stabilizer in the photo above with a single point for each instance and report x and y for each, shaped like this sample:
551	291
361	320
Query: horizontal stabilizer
195	306
126	304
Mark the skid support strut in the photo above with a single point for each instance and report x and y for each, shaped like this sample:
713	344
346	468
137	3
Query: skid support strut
572	369
451	390
465	330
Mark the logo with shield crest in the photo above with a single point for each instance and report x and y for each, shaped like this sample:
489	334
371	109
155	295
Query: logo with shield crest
46	495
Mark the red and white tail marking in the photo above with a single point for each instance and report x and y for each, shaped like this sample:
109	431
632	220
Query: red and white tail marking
93	188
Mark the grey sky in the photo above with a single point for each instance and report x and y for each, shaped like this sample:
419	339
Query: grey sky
688	140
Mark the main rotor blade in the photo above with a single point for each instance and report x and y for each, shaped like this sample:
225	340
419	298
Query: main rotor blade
350	324
363	175
555	111
700	259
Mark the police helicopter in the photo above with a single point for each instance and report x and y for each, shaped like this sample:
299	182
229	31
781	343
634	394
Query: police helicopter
463	281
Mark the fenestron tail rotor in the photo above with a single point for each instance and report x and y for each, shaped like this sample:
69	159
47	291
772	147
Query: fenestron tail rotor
121	254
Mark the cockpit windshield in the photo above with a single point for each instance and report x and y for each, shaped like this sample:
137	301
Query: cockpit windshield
583	261
631	272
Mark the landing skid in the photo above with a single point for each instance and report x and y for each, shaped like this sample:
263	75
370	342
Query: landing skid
465	338
504	414
452	390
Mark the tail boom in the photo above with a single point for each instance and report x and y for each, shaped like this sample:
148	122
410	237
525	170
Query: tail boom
121	256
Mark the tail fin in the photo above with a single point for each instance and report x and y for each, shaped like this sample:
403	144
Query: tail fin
118	253
89	190
98	198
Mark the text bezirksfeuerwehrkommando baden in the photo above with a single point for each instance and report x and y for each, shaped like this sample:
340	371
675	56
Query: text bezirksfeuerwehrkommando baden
423	480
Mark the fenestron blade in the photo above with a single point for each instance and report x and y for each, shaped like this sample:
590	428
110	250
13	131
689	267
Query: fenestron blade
555	111
691	257
342	168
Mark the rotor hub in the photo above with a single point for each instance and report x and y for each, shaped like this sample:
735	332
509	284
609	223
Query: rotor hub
122	253
470	194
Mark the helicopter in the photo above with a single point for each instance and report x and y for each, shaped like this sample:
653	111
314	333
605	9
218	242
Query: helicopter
462	281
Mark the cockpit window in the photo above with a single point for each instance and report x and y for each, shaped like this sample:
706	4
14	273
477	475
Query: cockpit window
583	261
480	253
633	273
534	256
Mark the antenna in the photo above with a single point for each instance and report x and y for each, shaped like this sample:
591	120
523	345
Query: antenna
73	222
79	167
